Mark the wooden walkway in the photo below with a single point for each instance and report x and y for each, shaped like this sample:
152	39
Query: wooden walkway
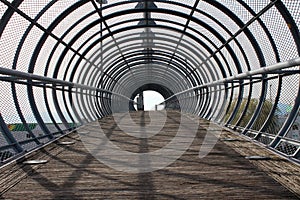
73	173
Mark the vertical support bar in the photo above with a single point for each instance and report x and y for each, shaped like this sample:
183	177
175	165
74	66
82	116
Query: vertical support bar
238	103
296	36
49	110
71	100
21	116
289	122
222	108
35	111
239	121
297	153
258	108
272	113
59	112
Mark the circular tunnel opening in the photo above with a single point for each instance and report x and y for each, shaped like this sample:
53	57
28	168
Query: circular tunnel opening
155	94
150	100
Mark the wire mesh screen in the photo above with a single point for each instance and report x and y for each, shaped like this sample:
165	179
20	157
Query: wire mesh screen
294	131
265	139
64	63
287	148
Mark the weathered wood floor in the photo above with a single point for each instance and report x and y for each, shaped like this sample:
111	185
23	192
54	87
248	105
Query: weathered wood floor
73	173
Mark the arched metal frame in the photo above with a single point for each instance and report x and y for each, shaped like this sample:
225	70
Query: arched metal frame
215	58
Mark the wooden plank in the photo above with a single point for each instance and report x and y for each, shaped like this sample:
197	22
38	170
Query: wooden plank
73	173
285	172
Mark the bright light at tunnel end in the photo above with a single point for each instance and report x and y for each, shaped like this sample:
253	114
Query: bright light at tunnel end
151	100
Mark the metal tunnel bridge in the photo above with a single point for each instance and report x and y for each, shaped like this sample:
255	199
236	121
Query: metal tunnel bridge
226	65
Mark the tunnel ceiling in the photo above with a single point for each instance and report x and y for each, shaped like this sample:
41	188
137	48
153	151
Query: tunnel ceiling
63	62
122	45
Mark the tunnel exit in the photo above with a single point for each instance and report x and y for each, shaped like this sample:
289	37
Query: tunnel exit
147	100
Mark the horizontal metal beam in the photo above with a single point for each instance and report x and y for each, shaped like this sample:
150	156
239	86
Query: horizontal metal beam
29	76
263	70
286	72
